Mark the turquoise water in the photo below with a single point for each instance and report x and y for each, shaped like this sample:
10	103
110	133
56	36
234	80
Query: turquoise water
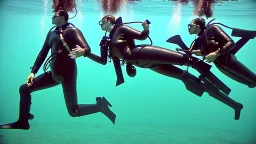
150	108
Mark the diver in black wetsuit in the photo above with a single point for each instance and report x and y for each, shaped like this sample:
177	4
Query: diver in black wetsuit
122	46
63	71
217	47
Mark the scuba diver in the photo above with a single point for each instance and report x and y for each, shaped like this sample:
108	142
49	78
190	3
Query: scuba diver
63	71
121	45
216	46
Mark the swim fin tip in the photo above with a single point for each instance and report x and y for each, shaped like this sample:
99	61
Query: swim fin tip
243	33
15	125
178	41
105	108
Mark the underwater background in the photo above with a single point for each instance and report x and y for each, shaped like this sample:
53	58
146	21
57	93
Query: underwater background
150	108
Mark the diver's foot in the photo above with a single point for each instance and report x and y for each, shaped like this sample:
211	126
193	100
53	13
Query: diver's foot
103	101
16	125
238	109
105	108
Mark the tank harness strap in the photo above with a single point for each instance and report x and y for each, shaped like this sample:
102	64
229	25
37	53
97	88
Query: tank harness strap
53	56
63	42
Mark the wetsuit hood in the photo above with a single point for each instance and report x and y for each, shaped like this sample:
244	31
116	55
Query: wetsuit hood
118	23
201	32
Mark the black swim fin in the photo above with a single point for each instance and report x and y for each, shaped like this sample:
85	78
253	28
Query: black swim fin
217	82
22	125
119	73
178	41
239	44
193	84
243	33
16	125
105	108
24	115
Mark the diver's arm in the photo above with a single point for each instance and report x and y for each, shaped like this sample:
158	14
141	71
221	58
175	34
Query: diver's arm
41	56
134	34
220	35
99	59
78	38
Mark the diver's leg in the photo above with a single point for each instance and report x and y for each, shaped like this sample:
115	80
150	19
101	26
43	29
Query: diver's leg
194	85
191	82
232	75
75	109
234	67
152	54
211	89
43	81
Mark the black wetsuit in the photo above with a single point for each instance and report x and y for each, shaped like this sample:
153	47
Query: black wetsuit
214	38
63	71
158	59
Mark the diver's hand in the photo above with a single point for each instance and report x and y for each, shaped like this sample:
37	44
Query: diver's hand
77	52
212	56
145	26
30	79
197	52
